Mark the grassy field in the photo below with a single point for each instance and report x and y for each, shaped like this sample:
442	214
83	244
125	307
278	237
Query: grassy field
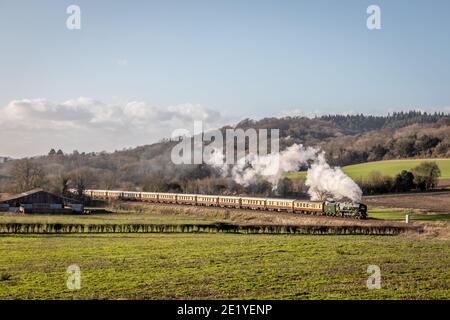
152	216
193	266
398	214
223	266
386	167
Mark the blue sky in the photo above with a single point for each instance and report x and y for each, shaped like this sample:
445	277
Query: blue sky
239	58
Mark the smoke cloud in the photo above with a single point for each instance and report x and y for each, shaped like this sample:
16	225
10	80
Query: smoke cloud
324	182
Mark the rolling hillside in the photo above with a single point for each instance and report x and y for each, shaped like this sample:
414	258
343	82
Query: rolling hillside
386	167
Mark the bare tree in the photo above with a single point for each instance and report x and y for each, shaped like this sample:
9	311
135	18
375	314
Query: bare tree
27	175
61	183
82	179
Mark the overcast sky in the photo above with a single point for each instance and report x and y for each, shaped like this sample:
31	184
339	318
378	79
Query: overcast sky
139	69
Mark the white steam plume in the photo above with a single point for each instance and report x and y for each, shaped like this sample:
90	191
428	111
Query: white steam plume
324	182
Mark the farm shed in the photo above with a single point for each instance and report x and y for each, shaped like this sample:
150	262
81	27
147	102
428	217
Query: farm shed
40	201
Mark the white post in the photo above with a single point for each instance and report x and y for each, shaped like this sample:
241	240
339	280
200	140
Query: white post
407	218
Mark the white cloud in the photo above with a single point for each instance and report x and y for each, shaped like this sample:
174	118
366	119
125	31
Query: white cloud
33	126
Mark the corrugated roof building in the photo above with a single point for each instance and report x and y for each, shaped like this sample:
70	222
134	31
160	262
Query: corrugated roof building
40	201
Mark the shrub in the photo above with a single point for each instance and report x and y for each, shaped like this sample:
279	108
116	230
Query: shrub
375	182
426	175
404	181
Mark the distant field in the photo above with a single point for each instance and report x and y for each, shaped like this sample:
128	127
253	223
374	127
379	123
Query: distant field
399	215
387	167
425	202
221	266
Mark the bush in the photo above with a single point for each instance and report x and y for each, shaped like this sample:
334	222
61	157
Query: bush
404	181
426	175
375	183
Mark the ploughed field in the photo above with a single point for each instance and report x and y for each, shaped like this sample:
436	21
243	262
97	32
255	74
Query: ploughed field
216	266
431	202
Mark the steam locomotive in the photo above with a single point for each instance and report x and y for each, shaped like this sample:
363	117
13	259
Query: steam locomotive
321	208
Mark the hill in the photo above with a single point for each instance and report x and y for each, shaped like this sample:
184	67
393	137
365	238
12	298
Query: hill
386	167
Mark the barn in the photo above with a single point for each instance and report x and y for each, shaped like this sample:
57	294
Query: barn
38	201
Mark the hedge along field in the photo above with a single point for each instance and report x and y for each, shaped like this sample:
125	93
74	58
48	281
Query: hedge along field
386	167
222	266
59	228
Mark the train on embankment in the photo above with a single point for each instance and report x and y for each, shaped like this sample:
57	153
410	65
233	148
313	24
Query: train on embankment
321	208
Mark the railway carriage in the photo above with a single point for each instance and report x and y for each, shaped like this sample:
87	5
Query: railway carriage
253	203
131	195
167	197
149	196
114	194
204	200
102	194
187	199
280	205
230	202
99	194
309	207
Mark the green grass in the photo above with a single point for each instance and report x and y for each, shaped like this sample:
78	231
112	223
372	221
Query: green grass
386	167
119	218
399	215
141	215
219	266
